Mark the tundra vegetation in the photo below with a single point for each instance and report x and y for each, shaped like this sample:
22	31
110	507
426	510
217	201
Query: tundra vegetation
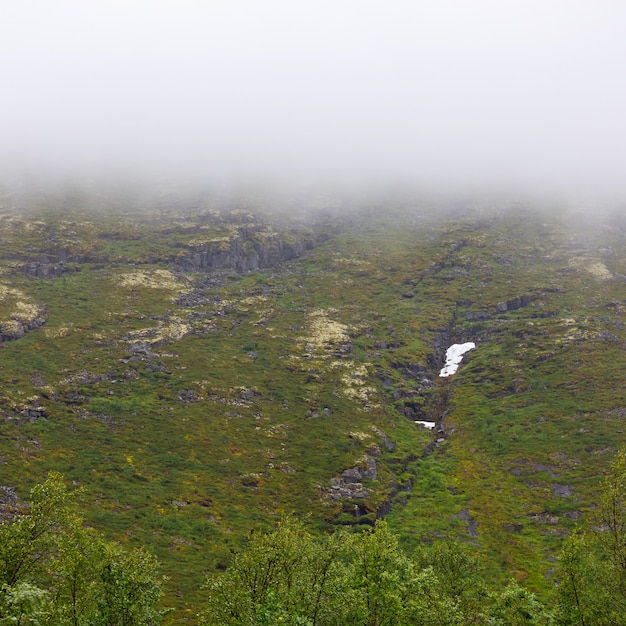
205	366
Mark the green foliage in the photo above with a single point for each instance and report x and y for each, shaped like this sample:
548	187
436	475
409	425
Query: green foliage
361	579
128	588
287	564
459	578
516	606
24	603
26	538
592	565
56	572
381	579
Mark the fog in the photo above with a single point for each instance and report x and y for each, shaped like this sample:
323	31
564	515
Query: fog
528	95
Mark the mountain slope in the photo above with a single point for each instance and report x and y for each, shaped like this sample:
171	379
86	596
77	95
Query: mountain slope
203	371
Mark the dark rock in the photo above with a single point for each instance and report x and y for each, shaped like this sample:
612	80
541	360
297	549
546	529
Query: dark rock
574	515
472	524
247	394
248	248
476	316
514	304
561	490
374	451
9	502
42	269
342	349
540	467
371	470
341	490
389	445
34	412
12	330
514	528
352	475
187	395
157	367
140	348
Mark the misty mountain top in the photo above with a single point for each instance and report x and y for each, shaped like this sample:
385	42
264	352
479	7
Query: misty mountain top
447	95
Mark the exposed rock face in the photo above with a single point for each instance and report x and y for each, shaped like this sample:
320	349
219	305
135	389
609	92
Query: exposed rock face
342	490
418	380
187	395
247	249
512	305
16	329
8	502
34	412
349	485
44	269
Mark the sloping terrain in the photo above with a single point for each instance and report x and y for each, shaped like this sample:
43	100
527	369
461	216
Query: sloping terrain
203	369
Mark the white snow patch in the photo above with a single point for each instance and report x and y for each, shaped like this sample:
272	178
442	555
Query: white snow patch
430	425
454	356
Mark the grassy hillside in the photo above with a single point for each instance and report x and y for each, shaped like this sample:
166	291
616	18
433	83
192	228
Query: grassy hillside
197	403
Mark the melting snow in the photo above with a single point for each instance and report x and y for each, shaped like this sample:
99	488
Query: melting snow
430	425
454	356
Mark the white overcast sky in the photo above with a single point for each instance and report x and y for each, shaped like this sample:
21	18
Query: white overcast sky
480	91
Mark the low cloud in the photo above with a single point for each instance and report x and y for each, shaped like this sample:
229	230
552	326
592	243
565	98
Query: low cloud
528	95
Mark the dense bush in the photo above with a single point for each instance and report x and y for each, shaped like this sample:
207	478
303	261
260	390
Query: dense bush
54	571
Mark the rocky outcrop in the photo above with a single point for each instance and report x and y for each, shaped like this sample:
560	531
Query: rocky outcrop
513	304
16	328
349	486
246	249
505	306
9	502
44	269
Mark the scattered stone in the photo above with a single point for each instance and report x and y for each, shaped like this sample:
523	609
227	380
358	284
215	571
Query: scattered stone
472	524
514	528
187	395
389	445
544	518
246	394
44	269
9	502
374	451
573	515
140	348
370	471
476	316
341	490
563	491
540	467
38	380
352	475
